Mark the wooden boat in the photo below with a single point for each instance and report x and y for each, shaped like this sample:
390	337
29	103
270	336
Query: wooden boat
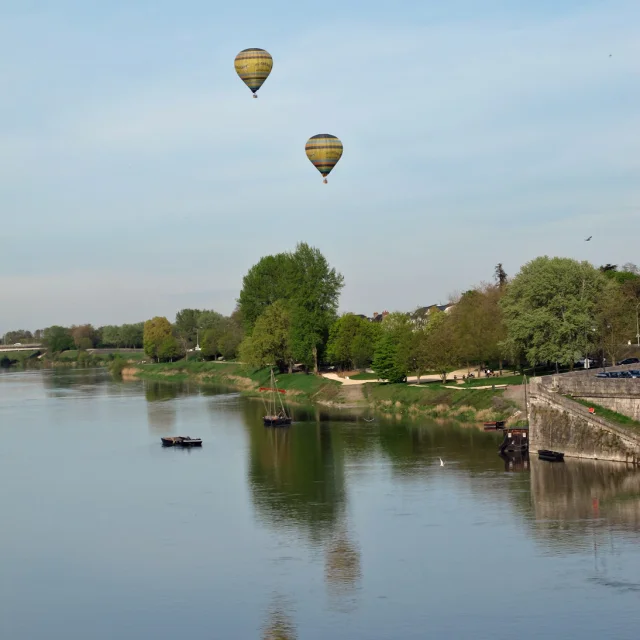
550	456
493	426
181	441
515	440
191	442
276	421
275	417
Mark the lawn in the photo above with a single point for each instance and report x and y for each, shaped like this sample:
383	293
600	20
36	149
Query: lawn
480	382
364	376
433	395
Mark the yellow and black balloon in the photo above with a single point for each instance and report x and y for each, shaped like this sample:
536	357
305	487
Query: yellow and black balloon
253	66
324	151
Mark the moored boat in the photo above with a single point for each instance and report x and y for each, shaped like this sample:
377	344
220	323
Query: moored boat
550	456
275	418
276	421
515	440
191	442
181	441
494	426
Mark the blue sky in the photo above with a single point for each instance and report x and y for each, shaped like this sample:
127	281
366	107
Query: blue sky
137	175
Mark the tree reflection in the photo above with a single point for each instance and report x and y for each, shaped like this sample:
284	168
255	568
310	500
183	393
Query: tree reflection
297	477
161	411
342	569
279	625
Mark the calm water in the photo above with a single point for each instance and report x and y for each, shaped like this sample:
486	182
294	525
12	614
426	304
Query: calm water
336	528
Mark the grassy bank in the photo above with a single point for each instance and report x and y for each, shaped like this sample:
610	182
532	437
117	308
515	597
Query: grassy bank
469	405
608	414
301	388
434	400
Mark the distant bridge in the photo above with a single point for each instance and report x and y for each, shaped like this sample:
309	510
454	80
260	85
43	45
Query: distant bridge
21	347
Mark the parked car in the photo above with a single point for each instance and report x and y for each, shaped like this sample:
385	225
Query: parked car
630	361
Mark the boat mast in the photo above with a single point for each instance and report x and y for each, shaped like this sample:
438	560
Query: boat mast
273	392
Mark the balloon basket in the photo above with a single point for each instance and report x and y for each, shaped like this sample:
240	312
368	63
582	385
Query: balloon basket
254	95
325	181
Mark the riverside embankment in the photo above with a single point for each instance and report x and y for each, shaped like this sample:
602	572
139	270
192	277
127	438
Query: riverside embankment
401	400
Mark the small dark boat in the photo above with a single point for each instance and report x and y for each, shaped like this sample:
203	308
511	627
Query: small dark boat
276	421
494	426
550	456
181	441
191	442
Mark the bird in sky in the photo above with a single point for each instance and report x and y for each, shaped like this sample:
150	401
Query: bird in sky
589	238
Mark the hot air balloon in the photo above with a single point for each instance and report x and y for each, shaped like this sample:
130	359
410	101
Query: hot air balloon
324	151
253	66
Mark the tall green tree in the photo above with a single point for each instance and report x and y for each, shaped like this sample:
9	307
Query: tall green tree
57	339
84	336
132	335
186	326
270	342
550	310
500	276
393	355
21	335
168	349
156	332
441	345
315	292
479	326
266	282
615	320
308	287
111	336
352	342
385	362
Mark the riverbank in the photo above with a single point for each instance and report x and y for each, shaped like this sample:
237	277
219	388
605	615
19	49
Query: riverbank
432	400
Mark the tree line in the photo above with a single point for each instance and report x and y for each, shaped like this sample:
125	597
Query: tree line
553	312
85	336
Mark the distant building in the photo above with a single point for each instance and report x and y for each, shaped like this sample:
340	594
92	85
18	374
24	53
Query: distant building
421	315
379	317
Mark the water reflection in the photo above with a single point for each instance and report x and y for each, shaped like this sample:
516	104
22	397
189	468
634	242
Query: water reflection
570	498
297	477
337	514
515	462
342	569
67	382
279	624
161	408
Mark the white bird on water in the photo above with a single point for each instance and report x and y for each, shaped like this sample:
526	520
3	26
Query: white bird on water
441	463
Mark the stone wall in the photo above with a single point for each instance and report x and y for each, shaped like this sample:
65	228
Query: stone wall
620	395
560	424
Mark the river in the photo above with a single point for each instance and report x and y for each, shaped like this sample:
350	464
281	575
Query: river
334	528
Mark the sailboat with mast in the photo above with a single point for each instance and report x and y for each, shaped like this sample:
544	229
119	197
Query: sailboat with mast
276	416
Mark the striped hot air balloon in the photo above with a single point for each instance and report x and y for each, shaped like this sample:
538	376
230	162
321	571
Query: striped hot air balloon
324	151
253	66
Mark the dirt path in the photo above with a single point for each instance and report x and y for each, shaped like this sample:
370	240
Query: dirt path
410	379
